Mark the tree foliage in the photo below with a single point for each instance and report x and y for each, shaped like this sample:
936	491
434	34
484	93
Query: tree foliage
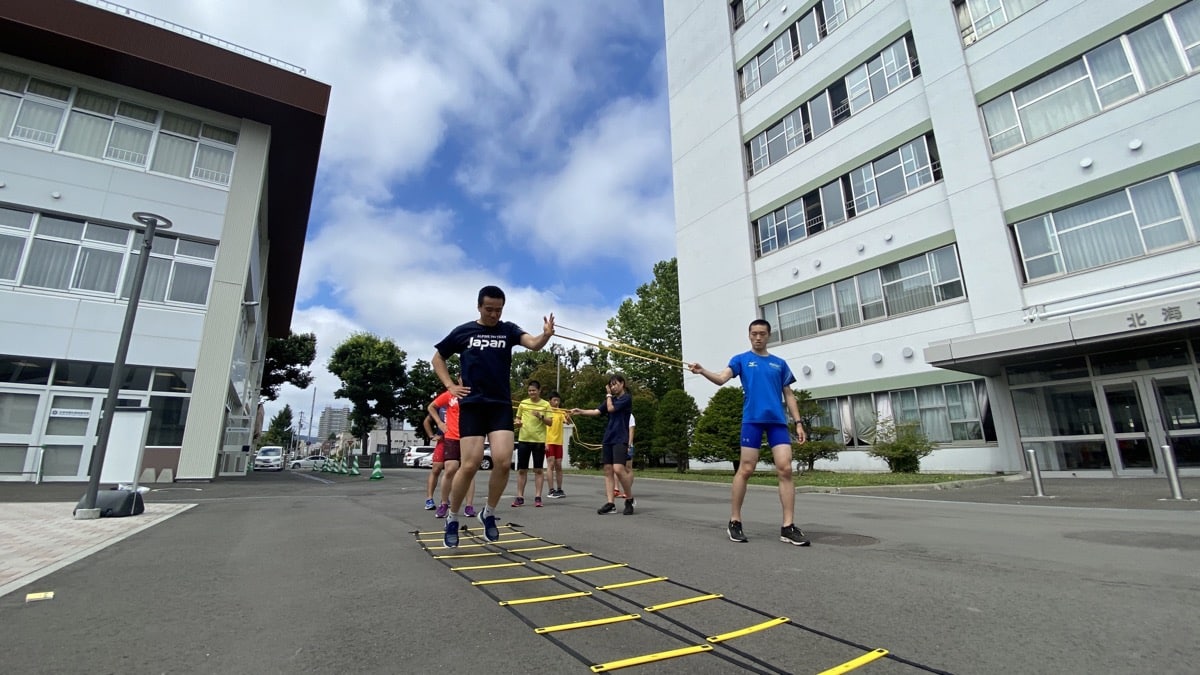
651	323
674	426
823	441
902	446
287	360
718	436
423	387
279	431
374	377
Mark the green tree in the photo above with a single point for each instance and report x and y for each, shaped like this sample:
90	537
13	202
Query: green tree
585	390
374	377
423	387
362	422
529	365
287	360
674	425
279	431
645	411
718	436
823	441
651	323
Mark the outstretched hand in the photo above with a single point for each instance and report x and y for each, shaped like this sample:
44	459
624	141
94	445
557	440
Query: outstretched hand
548	324
695	368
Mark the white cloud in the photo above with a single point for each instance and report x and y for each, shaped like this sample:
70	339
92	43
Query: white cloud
552	142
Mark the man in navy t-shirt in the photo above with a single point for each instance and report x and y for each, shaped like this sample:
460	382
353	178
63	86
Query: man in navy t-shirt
618	405
485	349
766	383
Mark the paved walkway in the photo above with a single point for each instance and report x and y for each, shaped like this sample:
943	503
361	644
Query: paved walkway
37	538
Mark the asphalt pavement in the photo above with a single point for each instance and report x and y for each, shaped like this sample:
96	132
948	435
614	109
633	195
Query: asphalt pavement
300	572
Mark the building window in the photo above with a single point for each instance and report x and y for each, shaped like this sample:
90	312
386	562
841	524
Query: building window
906	169
957	413
1157	215
1118	70
78	256
846	97
795	41
110	129
917	283
977	18
168	416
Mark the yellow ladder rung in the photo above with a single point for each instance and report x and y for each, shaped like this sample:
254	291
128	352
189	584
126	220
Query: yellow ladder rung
625	584
545	598
486	567
512	580
464	555
649	658
749	629
680	603
855	663
586	624
443	548
584	570
560	557
514	533
535	548
422	534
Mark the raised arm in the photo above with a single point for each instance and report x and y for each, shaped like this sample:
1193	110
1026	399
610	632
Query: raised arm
716	378
536	343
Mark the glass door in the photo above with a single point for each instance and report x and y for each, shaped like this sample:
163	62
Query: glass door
1131	443
1175	396
1144	413
69	435
18	416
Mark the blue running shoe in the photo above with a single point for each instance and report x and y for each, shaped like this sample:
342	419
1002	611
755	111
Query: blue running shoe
490	531
429	505
450	538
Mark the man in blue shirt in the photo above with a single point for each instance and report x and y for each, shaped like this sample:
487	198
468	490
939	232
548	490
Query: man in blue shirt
766	383
485	400
618	404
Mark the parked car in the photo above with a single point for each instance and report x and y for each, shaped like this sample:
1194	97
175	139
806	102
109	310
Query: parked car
269	458
413	456
486	464
310	462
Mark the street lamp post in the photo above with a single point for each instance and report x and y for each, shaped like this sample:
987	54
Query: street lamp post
152	222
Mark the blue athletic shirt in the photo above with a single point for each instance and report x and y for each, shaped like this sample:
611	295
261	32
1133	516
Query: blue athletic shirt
763	379
617	431
485	359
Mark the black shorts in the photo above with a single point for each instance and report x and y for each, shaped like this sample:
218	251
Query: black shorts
614	454
527	449
480	419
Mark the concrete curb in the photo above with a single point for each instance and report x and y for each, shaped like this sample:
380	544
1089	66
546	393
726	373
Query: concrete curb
914	487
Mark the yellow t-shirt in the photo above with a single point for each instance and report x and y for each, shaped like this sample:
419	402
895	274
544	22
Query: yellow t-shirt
533	430
554	432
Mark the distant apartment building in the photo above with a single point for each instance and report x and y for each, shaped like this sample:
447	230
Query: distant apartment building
977	216
333	421
104	114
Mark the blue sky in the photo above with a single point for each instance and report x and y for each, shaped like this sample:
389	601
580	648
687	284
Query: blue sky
518	142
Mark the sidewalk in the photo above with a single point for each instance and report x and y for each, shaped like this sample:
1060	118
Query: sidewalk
1096	493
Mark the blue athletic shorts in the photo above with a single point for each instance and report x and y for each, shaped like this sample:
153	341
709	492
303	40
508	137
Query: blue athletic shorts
752	433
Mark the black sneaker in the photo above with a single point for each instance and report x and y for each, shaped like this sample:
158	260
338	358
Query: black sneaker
607	508
735	532
788	535
628	507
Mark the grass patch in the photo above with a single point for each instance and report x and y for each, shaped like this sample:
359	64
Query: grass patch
810	478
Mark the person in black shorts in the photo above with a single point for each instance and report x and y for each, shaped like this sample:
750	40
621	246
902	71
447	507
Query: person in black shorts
485	349
618	405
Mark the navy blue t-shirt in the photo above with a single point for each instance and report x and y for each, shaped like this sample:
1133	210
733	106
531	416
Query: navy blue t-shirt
617	430
763	379
485	359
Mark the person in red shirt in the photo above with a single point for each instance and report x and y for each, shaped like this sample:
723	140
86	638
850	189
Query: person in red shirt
451	451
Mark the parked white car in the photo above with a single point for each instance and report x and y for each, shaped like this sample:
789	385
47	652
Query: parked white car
414	455
310	462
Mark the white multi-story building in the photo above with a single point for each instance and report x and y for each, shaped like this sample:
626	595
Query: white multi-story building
978	215
333	422
102	115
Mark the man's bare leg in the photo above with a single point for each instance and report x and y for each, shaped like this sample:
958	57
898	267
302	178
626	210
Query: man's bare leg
749	460
502	451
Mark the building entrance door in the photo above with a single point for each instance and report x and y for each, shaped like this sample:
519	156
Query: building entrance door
1142	413
68	435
